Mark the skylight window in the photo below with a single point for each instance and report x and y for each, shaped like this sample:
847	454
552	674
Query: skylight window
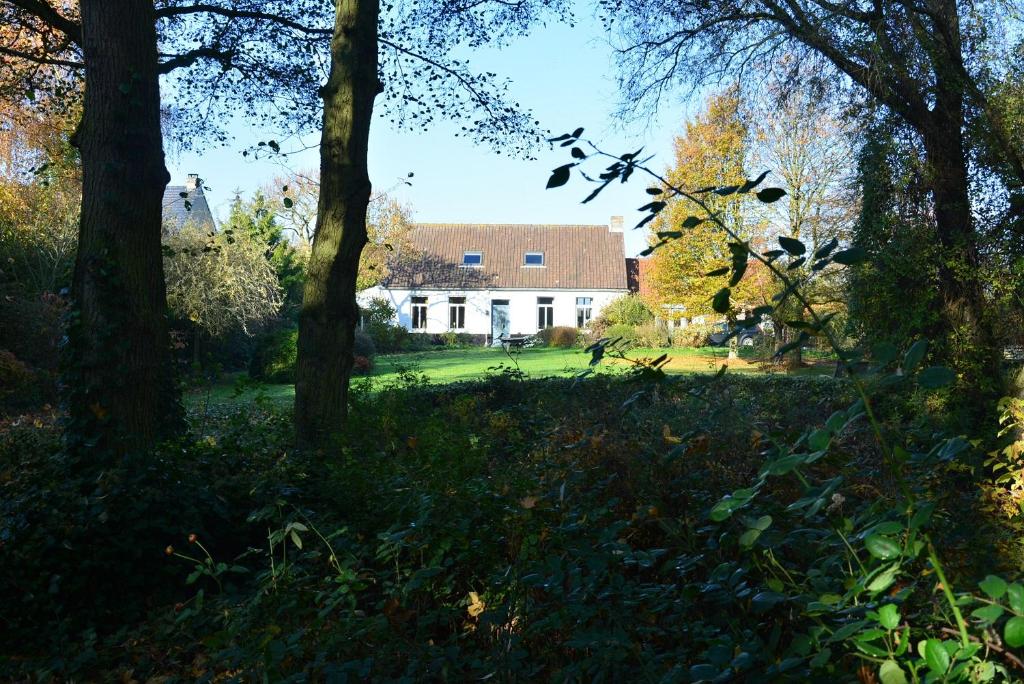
533	259
472	258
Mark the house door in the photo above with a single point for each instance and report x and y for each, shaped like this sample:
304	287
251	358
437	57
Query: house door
499	320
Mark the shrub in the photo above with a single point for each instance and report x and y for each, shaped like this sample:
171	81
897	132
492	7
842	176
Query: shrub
627	310
626	333
653	336
274	357
558	336
18	382
363	345
455	340
693	335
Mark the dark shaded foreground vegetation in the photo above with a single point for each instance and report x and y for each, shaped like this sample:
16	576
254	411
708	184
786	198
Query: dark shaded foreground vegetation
505	529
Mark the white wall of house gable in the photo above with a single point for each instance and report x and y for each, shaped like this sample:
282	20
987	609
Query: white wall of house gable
522	307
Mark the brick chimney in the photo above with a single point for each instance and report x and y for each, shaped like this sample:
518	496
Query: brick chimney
192	182
615	224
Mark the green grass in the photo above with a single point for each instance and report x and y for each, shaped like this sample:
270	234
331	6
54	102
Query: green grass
454	365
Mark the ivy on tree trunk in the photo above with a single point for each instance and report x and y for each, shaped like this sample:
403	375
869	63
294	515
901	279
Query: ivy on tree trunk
118	379
329	312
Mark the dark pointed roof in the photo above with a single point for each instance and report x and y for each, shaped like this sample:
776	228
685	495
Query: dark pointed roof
575	256
186	204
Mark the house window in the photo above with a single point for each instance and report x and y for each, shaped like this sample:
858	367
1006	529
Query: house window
583	311
456	313
545	312
419	313
533	259
472	258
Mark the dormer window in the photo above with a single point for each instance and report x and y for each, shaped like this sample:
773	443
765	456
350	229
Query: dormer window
533	259
472	258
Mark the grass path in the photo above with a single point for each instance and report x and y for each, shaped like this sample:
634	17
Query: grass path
454	365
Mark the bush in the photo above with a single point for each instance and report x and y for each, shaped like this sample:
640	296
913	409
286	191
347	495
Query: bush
276	354
627	310
626	334
274	357
653	336
693	335
20	384
559	336
454	340
363	345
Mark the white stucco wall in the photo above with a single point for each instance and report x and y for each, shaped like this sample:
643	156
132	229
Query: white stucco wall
522	307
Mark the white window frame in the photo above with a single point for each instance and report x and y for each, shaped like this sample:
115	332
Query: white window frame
472	252
456	313
526	255
584	311
545	312
418	312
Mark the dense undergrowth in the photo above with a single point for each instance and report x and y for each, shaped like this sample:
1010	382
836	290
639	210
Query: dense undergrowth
506	530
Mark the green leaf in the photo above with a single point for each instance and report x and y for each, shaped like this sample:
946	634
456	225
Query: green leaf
822	658
720	302
884	579
993	586
792	245
1013	632
748	538
781	466
1015	596
891	673
769	195
559	176
762	523
849	257
988	614
882	547
725	508
296	539
288	203
726	190
912	359
819	439
836	421
889	616
935	377
765	601
936	656
692	222
717	272
577	153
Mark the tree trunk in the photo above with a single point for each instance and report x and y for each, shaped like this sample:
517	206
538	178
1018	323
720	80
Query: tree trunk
329	313
118	381
970	344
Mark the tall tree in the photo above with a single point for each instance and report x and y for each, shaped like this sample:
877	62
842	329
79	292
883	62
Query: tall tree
800	135
121	389
329	312
921	60
713	151
424	84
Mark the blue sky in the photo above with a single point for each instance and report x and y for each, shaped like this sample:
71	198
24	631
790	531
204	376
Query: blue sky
565	75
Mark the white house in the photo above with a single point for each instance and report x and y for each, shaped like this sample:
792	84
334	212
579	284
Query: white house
495	280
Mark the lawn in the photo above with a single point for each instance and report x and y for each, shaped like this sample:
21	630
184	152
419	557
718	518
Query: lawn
454	365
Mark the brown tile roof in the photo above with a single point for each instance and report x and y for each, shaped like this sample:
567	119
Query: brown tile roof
576	257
